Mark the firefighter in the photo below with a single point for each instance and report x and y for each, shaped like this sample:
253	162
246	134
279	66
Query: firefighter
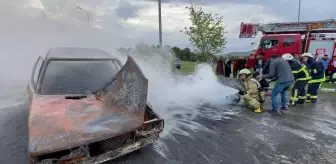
252	95
301	76
317	76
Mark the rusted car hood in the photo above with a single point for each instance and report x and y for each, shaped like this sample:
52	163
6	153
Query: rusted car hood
56	123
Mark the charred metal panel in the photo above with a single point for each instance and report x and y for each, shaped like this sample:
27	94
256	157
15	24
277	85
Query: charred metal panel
128	89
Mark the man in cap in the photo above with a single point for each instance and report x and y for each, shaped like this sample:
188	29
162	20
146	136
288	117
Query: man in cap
317	74
252	95
301	76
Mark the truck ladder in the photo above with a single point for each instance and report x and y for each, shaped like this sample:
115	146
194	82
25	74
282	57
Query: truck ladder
250	30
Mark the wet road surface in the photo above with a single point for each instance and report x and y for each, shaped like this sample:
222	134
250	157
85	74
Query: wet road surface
305	134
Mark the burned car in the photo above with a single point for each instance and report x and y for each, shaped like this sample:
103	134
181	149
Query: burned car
86	107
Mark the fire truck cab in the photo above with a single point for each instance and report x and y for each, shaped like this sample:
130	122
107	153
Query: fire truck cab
317	37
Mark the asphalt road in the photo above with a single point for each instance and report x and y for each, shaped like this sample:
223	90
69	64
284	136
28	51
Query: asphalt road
305	134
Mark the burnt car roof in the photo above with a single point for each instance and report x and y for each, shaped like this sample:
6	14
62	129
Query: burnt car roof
77	53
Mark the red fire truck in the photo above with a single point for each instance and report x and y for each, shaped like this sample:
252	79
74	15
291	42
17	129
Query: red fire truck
317	37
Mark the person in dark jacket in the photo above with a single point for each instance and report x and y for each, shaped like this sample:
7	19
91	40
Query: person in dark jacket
234	63
220	67
264	84
240	63
316	57
259	64
297	57
301	76
227	65
317	74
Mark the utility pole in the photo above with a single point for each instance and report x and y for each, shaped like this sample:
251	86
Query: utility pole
160	23
299	12
87	14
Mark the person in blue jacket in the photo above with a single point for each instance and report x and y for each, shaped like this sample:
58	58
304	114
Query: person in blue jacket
325	62
317	74
301	77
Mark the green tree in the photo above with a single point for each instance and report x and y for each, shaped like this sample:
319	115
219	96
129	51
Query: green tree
206	33
187	54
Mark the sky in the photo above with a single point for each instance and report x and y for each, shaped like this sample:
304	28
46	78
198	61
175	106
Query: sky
138	19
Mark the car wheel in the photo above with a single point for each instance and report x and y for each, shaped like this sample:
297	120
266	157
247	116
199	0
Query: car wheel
178	67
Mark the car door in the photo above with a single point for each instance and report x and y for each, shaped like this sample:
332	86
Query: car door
289	45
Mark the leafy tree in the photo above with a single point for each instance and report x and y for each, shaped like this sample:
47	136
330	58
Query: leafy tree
177	52
207	32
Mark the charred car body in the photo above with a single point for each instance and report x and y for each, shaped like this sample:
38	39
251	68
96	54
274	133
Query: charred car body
85	107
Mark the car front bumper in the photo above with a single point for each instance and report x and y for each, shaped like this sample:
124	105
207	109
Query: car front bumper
122	151
143	142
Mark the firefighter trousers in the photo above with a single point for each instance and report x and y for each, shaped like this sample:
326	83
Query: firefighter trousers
312	91
299	92
251	102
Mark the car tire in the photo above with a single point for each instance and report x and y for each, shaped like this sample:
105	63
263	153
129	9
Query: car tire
178	67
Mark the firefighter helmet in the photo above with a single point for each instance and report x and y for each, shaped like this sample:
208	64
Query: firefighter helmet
334	76
307	54
287	56
244	71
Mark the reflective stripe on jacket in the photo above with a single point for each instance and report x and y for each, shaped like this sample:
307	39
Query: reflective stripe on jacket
299	71
316	70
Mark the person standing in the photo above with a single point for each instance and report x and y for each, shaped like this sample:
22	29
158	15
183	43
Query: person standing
227	65
301	76
220	67
259	64
316	57
240	63
297	57
234	65
332	70
282	71
250	63
317	76
325	62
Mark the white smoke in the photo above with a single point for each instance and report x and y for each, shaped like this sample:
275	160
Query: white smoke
30	27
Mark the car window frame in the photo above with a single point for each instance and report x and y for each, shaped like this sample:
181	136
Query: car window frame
288	37
270	38
47	62
32	80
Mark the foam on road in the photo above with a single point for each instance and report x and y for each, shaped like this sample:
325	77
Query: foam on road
302	135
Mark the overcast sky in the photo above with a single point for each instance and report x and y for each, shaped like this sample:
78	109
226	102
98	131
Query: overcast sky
138	18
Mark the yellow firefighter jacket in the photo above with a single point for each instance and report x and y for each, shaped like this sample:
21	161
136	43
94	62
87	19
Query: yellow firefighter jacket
254	96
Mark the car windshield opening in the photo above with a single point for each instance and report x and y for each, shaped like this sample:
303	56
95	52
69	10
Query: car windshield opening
77	77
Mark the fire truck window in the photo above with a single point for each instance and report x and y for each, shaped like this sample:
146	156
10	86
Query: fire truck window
269	43
288	42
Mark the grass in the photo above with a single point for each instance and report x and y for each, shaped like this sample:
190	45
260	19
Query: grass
327	85
328	93
324	85
187	67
